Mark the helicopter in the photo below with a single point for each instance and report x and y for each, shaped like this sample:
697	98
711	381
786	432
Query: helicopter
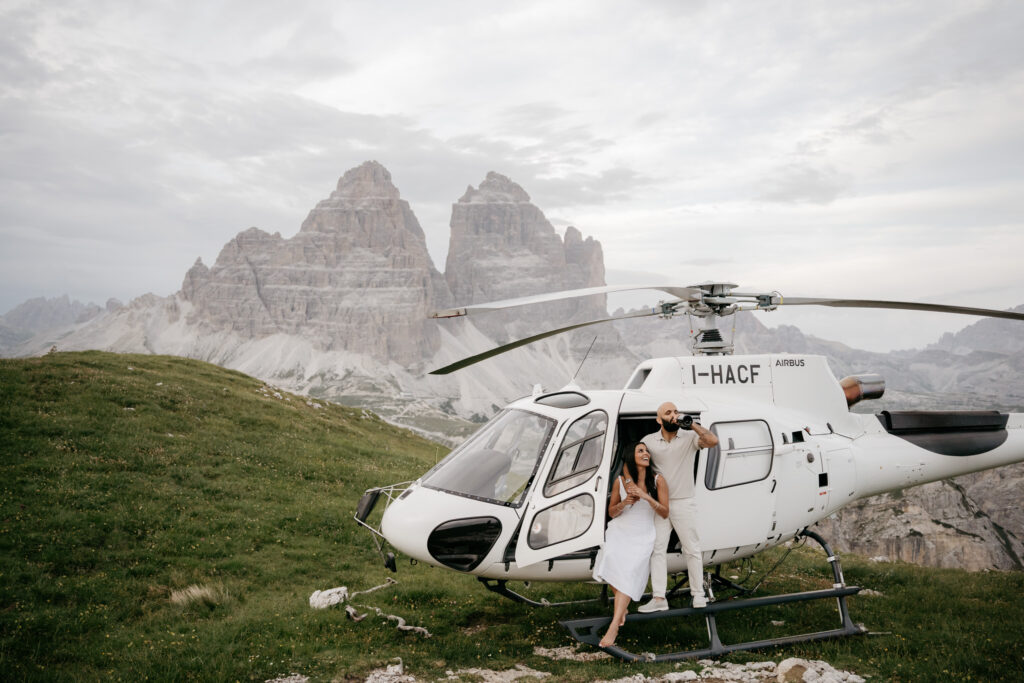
525	498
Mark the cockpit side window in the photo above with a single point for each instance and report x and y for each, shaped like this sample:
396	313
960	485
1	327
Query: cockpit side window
579	456
497	463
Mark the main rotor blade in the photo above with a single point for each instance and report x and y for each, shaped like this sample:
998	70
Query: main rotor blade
901	305
685	293
465	362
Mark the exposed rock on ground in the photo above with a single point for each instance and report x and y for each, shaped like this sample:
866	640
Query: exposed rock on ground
793	669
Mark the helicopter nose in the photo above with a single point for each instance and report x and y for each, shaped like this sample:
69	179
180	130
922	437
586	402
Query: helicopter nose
440	528
403	526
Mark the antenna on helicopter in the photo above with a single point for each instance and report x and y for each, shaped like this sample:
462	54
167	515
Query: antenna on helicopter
584	360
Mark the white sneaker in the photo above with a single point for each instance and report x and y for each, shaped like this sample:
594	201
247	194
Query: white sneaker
699	601
655	605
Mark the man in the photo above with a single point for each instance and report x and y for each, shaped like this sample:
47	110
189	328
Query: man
673	455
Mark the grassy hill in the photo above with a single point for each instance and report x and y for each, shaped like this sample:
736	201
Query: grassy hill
167	519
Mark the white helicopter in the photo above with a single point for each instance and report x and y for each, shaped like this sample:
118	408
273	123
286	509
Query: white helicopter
525	497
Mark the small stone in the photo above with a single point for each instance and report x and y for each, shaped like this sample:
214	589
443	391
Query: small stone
791	670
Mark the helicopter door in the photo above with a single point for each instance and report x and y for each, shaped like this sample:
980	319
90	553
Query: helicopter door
735	510
566	508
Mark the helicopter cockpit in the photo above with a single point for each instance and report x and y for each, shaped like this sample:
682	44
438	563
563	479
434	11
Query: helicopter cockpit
497	462
530	485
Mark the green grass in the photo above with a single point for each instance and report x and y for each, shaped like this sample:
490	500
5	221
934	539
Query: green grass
166	519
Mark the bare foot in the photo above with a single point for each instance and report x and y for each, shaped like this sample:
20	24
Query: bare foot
609	636
622	622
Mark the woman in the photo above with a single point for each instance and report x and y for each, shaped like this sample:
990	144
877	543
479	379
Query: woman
625	560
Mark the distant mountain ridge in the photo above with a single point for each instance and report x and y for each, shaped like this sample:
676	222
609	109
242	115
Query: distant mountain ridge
339	311
40	314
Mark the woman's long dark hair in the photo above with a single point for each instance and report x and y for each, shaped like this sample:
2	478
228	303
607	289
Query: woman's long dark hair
629	466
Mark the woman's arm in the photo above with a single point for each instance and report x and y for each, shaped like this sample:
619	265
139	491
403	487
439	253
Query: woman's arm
616	506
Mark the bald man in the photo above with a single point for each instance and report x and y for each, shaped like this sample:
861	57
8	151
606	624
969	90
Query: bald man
673	454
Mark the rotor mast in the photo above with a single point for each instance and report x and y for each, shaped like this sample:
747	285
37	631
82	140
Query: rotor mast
714	301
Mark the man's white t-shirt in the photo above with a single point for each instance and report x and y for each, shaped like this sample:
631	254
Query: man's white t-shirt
674	460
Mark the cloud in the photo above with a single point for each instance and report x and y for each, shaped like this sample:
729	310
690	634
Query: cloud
803	183
752	135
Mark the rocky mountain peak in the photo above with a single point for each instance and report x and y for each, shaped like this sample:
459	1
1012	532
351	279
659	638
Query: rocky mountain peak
357	276
196	276
495	189
502	247
363	192
369	180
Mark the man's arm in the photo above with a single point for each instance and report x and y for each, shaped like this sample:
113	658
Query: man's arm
705	439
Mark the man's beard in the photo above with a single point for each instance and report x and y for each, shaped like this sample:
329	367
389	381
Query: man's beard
670	427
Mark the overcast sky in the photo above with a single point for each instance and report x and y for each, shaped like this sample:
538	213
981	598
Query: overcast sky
864	149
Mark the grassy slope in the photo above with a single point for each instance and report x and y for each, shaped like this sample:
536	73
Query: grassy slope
124	478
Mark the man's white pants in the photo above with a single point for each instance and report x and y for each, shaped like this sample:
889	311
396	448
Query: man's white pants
682	516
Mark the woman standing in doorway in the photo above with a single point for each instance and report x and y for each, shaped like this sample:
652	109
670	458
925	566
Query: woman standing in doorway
624	561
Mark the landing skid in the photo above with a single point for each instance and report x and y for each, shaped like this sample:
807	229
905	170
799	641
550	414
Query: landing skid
500	586
589	630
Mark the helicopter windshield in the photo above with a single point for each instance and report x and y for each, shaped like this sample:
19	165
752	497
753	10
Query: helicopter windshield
497	462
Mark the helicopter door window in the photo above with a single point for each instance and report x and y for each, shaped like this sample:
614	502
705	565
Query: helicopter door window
580	453
497	463
743	454
562	522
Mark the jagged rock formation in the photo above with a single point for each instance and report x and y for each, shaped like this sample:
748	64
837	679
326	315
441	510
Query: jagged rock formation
357	276
503	247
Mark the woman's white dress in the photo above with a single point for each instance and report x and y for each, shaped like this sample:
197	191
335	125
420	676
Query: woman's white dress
625	560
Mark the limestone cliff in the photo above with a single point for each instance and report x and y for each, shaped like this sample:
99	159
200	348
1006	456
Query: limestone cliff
942	524
357	276
503	247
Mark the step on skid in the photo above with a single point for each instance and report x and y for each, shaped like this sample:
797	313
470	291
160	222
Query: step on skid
589	630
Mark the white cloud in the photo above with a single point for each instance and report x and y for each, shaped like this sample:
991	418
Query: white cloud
867	149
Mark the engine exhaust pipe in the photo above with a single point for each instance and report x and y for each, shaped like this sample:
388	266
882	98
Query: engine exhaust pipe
858	388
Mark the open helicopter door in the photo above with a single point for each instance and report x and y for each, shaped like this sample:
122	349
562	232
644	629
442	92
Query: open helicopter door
739	492
566	510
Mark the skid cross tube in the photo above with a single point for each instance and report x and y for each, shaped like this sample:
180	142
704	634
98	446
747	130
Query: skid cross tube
500	587
589	630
